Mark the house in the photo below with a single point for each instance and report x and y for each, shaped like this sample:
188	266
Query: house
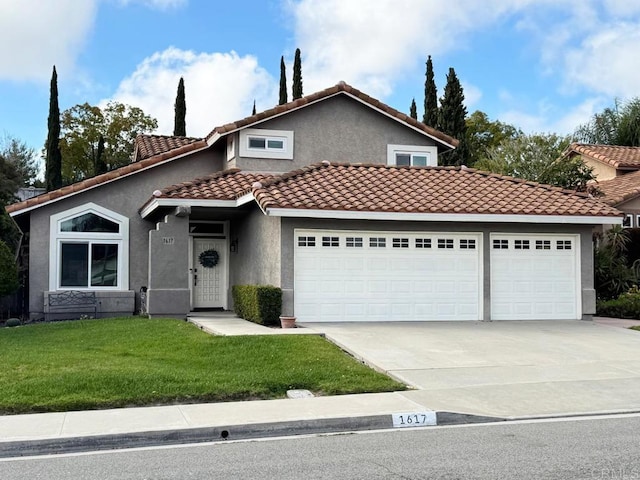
337	199
615	169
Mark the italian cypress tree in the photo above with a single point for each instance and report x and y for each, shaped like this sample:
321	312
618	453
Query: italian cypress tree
283	83
452	119
53	159
430	97
180	123
101	166
297	76
413	112
253	112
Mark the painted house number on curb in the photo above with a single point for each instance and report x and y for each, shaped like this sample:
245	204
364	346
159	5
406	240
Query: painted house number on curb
414	419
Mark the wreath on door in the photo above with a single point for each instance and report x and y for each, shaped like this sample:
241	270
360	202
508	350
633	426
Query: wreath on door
209	258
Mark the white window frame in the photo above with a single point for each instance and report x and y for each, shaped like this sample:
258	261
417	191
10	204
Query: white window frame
286	136
430	152
57	237
231	148
628	216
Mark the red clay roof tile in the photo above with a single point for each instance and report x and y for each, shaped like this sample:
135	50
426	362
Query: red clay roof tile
614	155
148	146
620	189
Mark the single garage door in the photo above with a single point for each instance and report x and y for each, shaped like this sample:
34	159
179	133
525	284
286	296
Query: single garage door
535	277
386	276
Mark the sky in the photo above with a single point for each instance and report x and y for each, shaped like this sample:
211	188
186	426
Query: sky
542	65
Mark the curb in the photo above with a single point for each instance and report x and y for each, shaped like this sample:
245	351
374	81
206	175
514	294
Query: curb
52	446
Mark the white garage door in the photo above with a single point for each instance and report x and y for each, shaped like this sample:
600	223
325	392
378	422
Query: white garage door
535	277
386	276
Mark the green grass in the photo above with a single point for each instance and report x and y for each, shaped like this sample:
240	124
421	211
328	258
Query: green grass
91	364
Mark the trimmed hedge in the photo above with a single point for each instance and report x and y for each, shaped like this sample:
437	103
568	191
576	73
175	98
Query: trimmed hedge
626	305
258	303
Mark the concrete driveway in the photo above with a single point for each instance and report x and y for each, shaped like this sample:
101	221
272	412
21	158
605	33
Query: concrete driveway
504	369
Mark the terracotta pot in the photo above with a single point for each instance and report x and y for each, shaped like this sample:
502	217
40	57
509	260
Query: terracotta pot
288	322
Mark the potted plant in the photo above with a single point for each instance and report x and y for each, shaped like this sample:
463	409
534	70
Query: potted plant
287	321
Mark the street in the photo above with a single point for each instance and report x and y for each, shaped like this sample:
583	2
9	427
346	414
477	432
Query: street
589	448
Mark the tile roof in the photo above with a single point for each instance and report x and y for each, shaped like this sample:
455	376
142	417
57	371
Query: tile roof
620	189
150	145
343	88
614	155
104	178
226	185
380	188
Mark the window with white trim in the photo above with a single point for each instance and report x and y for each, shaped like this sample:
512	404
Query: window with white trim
563	244
259	143
89	249
521	244
330	241
543	244
400	243
423	243
467	244
445	243
500	244
412	155
627	222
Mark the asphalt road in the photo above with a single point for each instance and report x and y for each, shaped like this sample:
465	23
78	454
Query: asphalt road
595	448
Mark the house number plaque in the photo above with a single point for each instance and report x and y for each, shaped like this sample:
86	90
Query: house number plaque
168	240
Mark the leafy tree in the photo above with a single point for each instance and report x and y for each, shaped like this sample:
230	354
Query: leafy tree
484	134
538	158
283	83
9	183
451	119
53	175
430	97
8	271
83	125
297	76
180	124
413	112
613	126
23	158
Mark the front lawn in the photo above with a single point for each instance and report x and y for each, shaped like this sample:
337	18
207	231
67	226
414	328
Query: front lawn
88	364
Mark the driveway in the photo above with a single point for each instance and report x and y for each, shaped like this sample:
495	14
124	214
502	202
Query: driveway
505	369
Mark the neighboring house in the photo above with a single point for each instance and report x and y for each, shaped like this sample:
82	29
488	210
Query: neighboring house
614	168
25	193
308	196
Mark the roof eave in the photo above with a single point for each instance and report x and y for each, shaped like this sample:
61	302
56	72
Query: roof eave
446	217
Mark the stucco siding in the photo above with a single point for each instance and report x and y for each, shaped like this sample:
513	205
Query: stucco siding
339	129
600	170
125	197
257	260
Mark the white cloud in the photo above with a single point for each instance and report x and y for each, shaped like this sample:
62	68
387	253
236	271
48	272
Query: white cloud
219	87
373	44
606	61
472	95
34	35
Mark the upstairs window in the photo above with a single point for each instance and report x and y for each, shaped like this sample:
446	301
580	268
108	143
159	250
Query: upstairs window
412	156
259	143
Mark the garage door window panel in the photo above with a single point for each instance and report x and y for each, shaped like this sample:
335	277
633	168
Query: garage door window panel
423	243
377	242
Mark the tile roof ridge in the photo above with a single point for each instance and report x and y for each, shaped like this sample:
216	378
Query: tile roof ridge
159	135
328	92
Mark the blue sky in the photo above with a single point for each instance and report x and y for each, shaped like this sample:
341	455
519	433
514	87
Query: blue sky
543	65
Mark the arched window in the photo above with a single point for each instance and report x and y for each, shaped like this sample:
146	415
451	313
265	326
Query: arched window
89	249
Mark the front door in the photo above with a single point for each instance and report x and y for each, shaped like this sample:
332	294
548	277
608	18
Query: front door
209	273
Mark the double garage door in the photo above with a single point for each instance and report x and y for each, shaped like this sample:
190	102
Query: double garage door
408	276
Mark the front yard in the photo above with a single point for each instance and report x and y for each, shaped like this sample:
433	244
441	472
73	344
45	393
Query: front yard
89	364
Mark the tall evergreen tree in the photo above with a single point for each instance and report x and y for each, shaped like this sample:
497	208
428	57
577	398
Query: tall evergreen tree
101	166
297	75
253	112
413	112
451	120
180	121
283	83
430	97
53	174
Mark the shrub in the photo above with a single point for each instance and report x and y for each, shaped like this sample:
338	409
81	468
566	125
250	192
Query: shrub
626	305
8	271
258	303
12	322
